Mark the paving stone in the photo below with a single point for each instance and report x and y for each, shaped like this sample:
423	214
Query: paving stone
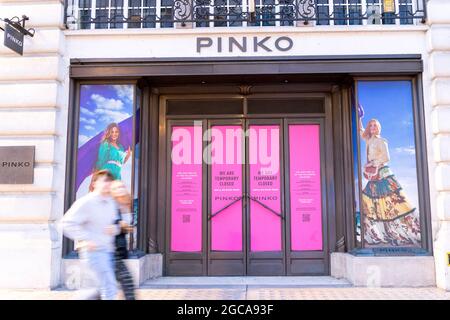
224	293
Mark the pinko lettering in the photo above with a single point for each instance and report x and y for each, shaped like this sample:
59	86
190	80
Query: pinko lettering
15	164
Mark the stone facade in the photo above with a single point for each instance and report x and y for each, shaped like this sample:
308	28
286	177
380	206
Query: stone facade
438	37
384	271
34	95
30	109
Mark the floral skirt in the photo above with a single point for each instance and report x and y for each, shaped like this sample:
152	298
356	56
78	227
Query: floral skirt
389	218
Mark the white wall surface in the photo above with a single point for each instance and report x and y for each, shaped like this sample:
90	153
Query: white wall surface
318	40
308	41
30	109
439	75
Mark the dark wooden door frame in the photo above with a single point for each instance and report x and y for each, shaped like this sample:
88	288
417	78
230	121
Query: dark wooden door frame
228	260
340	70
311	257
191	267
216	66
282	120
278	259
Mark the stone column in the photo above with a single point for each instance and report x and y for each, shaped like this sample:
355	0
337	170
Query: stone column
32	113
438	37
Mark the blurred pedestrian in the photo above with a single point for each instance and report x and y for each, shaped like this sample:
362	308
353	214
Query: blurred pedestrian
90	223
123	198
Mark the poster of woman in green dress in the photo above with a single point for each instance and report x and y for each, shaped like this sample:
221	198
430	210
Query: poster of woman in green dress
111	153
105	133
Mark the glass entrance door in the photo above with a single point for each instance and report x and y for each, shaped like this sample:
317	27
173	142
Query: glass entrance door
265	187
226	195
247	197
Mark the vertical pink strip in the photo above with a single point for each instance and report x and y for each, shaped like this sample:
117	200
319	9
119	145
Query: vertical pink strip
305	187
226	188
186	226
265	226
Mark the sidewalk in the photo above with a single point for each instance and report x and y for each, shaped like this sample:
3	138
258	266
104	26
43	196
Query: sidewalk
248	293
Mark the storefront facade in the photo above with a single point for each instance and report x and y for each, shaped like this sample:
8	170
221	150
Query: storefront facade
259	147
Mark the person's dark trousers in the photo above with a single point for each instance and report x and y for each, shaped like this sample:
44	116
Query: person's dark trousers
124	278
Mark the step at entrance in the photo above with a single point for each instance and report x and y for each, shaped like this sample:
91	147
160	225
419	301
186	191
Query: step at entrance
241	282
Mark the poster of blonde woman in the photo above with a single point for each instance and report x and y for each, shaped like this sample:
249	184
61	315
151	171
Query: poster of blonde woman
389	194
105	134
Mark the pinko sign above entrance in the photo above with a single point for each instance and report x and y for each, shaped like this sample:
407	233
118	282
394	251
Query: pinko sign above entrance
244	44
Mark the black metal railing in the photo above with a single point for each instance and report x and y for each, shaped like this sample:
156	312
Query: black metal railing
131	14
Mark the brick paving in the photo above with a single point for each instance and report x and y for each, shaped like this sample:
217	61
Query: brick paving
349	294
245	292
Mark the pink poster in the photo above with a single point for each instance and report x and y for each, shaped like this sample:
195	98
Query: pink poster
305	187
265	202
186	205
226	188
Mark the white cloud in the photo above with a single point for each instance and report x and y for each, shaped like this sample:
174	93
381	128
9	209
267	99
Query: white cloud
124	91
88	127
407	123
111	116
88	121
105	103
87	112
82	139
408	150
107	110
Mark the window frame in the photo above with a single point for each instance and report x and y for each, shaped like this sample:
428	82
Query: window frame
426	247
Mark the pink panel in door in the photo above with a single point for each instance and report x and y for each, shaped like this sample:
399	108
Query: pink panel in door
226	188
305	188
186	205
264	158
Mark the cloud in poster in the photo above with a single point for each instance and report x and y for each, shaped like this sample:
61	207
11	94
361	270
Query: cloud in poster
86	112
124	91
88	121
406	123
409	150
111	115
106	103
109	109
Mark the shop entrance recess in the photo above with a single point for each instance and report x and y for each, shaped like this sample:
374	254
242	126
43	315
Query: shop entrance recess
245	186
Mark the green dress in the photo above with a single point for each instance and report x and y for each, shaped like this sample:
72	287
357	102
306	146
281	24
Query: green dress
111	158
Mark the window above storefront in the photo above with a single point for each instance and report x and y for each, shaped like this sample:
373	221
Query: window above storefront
140	14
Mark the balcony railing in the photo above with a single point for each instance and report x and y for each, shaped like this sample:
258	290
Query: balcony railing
133	14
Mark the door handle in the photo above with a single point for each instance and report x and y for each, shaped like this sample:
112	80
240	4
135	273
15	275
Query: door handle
227	206
266	207
245	197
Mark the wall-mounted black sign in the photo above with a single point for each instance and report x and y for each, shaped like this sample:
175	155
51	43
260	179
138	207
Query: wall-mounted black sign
13	39
14	33
17	165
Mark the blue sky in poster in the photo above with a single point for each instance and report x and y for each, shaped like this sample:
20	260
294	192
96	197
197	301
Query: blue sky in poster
100	105
391	103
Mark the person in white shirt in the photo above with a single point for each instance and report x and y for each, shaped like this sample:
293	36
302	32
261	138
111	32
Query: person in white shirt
90	222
